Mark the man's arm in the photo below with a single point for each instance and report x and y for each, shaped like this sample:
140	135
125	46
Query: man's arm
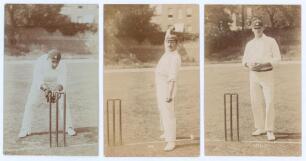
173	71
62	77
168	32
276	56
245	57
37	74
171	89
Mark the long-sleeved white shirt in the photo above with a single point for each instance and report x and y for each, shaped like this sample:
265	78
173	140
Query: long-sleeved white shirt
169	65
43	73
262	50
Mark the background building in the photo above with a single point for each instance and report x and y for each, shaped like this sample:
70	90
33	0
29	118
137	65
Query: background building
183	17
81	13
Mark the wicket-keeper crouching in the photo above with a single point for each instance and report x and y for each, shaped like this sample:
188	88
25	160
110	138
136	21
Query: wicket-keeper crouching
49	75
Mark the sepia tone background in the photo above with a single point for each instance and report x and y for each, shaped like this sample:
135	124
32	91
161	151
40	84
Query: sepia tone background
227	30
30	31
133	43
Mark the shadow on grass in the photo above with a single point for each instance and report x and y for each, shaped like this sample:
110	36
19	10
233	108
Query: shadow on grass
286	135
187	145
186	137
78	130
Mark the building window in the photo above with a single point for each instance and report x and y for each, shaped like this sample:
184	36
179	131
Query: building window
158	9
189	12
189	28
180	13
170	13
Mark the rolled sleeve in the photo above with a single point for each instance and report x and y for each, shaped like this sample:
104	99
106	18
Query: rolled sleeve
174	68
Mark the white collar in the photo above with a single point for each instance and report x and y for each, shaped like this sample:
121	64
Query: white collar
171	52
262	37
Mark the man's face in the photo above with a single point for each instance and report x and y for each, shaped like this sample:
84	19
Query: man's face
54	62
171	45
258	31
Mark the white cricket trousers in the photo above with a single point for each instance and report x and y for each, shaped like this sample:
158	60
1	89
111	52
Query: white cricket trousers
38	99
166	110
262	99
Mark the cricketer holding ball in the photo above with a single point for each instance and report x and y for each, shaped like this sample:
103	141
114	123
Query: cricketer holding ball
49	75
261	56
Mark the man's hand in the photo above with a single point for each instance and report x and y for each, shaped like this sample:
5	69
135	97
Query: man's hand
44	87
255	66
259	67
59	87
170	30
168	99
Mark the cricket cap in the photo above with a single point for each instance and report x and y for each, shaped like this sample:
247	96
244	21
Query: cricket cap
257	23
54	54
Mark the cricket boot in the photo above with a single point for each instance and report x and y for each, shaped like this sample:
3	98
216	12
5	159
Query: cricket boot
170	146
71	131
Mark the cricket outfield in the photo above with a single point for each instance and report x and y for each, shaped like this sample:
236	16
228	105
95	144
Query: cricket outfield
140	116
222	78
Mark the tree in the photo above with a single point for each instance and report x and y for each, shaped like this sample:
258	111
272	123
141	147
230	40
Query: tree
217	19
131	21
125	25
39	15
217	27
279	16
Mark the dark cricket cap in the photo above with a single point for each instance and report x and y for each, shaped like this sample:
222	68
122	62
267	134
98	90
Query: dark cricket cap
171	38
257	23
54	54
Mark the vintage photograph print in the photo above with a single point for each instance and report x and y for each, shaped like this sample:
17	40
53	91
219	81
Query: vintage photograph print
253	80
151	80
51	87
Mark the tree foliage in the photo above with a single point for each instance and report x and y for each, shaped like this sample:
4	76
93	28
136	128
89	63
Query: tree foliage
41	16
131	21
279	16
126	26
218	20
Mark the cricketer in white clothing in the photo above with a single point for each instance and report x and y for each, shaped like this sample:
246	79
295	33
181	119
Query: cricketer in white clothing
261	56
165	78
49	74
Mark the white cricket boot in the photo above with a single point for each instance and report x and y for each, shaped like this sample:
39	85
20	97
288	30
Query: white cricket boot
270	136
170	146
71	131
24	133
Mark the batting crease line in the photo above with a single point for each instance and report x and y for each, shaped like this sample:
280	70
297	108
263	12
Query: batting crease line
139	70
77	145
249	141
158	142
